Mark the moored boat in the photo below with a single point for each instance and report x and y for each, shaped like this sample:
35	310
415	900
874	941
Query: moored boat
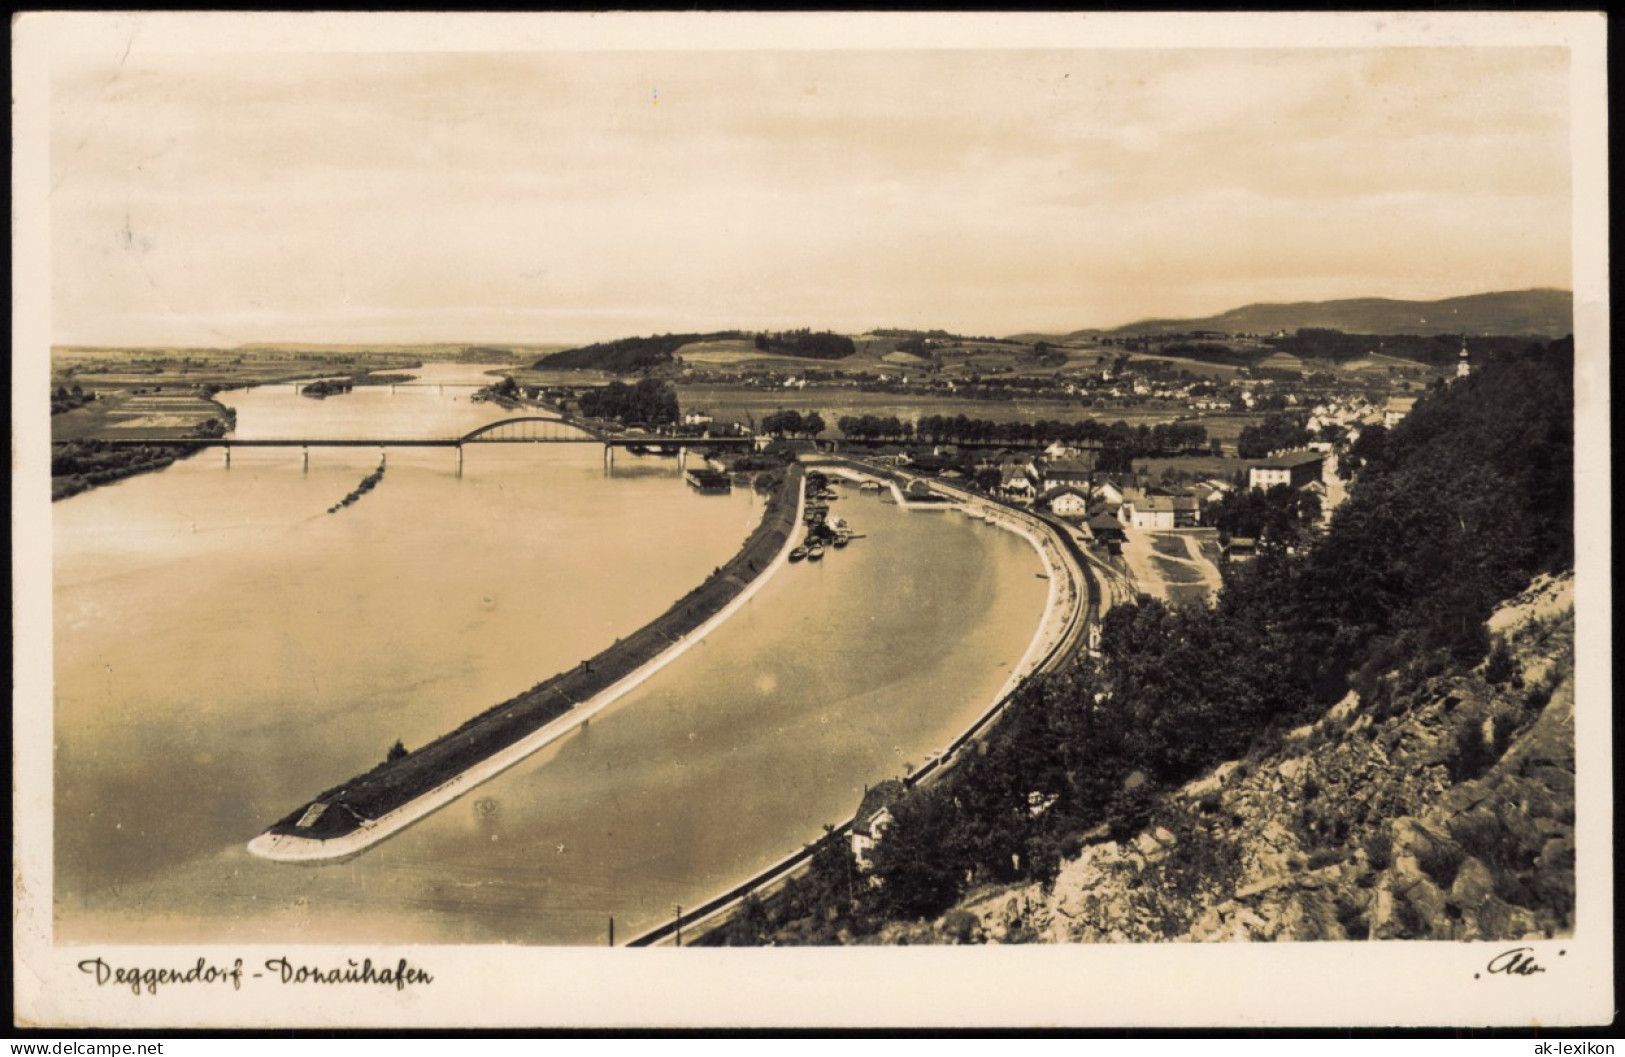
815	552
798	553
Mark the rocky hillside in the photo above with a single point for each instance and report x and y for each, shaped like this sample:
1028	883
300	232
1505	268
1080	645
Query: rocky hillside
1441	811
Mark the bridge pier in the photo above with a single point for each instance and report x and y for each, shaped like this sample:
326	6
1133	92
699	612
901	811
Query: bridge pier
307	459
609	457
682	459
228	456
459	460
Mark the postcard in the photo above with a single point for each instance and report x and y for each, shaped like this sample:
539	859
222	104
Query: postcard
811	520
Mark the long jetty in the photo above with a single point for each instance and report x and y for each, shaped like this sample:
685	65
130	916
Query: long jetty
368	808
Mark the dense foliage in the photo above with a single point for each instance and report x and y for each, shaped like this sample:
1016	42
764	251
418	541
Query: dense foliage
1277	518
649	403
65	399
822	345
793	424
1278	431
1470	496
83	464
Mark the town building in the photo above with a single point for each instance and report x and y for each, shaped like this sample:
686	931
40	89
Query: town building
1068	501
1106	529
1016	483
1053	473
1295	469
1156	511
1240	549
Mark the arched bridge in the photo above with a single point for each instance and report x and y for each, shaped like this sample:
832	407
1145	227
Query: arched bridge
535	429
520	429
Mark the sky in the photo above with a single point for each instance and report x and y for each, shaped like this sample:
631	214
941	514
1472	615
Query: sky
571	196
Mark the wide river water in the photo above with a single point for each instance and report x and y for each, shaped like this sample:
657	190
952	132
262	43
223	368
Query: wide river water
225	650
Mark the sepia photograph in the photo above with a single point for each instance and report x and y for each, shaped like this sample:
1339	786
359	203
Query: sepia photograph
819	520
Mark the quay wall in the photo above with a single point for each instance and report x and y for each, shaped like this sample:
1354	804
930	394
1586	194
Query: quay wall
1069	608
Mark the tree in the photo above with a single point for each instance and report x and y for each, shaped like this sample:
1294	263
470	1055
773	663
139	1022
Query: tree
813	424
919	870
1277	431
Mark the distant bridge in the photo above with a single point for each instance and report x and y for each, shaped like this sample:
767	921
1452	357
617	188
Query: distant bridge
521	429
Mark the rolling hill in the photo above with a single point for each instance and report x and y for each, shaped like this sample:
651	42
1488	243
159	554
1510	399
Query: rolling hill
1536	313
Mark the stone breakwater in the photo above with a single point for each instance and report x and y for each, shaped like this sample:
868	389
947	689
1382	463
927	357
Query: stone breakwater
392	796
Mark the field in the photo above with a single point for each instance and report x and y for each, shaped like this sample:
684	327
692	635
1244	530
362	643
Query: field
1222	372
1382	363
1169	546
137	416
1202	466
742	353
1282	361
1177	572
108	369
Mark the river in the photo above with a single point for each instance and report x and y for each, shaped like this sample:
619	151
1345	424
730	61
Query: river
225	649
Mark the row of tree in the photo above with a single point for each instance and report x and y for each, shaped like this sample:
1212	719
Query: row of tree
793	424
1281	430
1166	438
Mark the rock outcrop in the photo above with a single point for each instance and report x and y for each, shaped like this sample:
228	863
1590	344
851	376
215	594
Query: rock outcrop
1443	810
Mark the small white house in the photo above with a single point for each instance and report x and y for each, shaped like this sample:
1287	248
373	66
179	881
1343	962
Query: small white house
1067	501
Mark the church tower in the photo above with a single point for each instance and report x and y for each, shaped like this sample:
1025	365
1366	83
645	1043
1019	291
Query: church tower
1463	367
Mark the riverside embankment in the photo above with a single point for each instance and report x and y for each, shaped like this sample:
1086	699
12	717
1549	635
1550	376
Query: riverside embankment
370	807
1070	611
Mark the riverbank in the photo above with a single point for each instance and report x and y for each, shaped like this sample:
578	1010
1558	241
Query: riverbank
370	807
79	466
1061	632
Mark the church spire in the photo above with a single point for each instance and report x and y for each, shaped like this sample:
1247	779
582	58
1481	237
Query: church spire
1464	366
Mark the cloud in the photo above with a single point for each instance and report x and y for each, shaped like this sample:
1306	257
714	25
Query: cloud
1003	189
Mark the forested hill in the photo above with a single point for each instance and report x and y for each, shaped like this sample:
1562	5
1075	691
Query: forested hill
626	355
1458	508
1541	313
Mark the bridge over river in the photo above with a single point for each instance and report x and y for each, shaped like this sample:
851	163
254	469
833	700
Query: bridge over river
522	429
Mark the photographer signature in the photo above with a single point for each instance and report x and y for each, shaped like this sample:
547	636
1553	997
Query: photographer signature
1519	961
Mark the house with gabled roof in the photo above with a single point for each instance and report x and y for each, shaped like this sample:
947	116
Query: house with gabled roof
1013	481
1295	468
874	815
1066	500
1052	473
